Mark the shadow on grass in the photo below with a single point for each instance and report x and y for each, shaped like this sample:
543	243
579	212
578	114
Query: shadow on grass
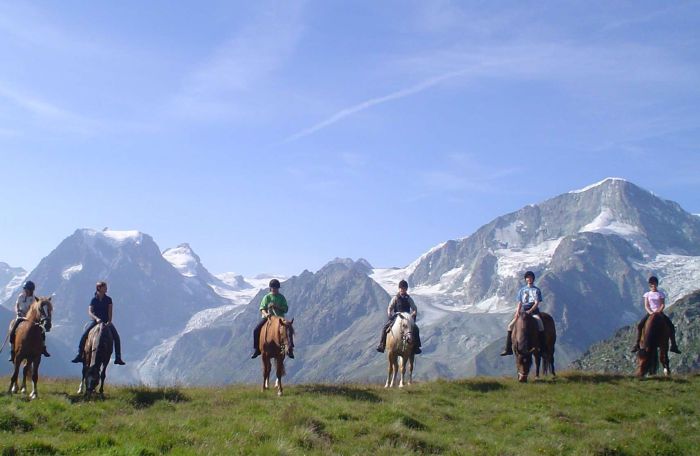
482	386
354	394
595	378
146	397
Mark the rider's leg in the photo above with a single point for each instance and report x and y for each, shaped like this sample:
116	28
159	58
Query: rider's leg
382	341
290	341
43	338
674	346
540	332
417	346
256	338
117	345
640	326
83	339
508	349
15	323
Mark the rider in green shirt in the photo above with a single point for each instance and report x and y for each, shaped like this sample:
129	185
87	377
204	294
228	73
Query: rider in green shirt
274	303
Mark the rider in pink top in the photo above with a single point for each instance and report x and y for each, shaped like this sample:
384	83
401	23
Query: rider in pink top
655	302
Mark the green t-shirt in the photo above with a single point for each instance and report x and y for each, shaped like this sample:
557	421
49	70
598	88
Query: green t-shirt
279	301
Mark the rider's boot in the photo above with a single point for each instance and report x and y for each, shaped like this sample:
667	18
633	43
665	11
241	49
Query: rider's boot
416	348
508	350
382	342
45	353
635	349
12	353
674	346
78	358
118	359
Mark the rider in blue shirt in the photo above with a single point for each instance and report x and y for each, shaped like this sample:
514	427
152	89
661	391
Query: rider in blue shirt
529	299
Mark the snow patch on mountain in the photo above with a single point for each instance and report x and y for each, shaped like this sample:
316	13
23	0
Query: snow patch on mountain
592	186
71	271
12	286
512	261
116	238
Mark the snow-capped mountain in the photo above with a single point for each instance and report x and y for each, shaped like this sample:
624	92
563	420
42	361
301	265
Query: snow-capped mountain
11	279
152	300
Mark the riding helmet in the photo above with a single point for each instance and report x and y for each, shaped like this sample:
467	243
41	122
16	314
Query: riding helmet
274	283
29	285
529	274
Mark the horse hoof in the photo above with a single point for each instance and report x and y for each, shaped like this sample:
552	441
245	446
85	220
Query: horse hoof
279	393
32	396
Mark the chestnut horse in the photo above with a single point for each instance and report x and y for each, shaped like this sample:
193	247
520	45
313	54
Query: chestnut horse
96	355
526	343
399	344
29	343
653	345
273	345
550	337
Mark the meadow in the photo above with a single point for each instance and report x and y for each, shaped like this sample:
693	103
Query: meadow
579	414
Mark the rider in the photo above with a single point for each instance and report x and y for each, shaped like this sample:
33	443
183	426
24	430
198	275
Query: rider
274	303
100	310
24	301
529	299
401	302
655	302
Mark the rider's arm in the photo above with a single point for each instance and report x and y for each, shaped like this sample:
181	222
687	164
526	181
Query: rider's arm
662	305
390	308
92	315
17	311
646	305
414	309
109	312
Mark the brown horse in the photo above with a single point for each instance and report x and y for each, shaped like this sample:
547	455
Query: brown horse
399	344
273	345
29	343
550	337
96	355
525	342
653	345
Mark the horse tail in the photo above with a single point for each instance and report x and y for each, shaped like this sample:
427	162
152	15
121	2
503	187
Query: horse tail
551	339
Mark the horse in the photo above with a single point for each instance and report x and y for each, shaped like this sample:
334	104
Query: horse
525	342
653	345
399	344
96	356
29	344
273	344
550	335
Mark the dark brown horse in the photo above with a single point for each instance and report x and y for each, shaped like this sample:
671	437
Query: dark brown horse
654	345
29	344
96	355
550	337
273	345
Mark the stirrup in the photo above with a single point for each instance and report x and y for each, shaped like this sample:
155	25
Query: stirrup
674	349
255	354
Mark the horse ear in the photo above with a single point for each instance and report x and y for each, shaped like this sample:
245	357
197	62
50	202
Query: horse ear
50	298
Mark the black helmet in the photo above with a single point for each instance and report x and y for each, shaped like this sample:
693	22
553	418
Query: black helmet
274	283
403	284
529	274
29	285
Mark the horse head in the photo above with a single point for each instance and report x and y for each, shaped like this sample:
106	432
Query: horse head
524	343
40	312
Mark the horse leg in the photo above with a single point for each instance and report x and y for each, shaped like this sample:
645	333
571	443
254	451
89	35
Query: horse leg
103	374
25	373
13	380
402	366
279	364
538	361
411	359
664	360
389	374
267	367
35	377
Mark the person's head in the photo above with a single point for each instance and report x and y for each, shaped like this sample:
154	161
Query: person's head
274	286
653	282
530	277
403	287
101	287
29	287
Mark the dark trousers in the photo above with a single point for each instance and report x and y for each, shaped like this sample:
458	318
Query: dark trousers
258	328
387	326
115	336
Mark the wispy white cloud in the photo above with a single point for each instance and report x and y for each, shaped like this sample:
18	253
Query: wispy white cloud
224	83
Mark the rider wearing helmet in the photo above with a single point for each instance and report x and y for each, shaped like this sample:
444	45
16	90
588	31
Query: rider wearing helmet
529	298
24	301
401	302
274	303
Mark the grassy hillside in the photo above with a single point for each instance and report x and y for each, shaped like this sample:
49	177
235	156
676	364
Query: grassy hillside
576	414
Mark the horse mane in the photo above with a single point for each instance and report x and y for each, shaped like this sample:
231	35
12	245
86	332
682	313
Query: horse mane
33	314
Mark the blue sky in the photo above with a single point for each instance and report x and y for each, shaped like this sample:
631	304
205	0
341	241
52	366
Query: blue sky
275	136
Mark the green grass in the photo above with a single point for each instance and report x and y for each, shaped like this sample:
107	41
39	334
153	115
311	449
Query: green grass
576	414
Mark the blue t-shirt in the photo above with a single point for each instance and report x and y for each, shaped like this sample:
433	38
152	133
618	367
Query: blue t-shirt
100	308
527	296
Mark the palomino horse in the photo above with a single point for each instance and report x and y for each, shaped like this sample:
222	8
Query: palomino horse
399	344
526	343
550	337
29	343
653	345
96	355
273	344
